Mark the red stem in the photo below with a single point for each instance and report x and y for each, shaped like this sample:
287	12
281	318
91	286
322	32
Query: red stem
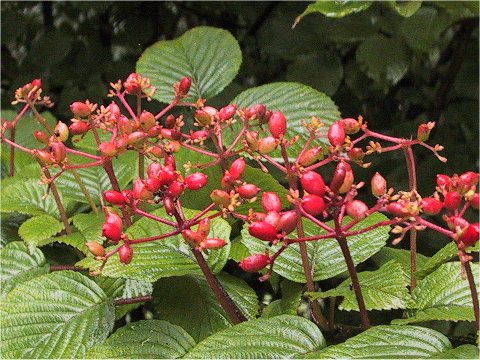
140	299
153	217
473	292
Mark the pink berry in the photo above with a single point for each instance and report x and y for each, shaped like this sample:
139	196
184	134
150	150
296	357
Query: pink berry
313	204
125	253
469	179
471	234
196	181
108	149
351	125
310	156
37	83
313	183
357	209
153	184
41	136
237	168
452	200
475	201
397	209
175	189
133	84
431	206
288	221
227	112
263	231
443	181
336	134
112	231
114	197
254	263
80	109
184	85
213	243
271	202
277	124
378	185
79	128
248	191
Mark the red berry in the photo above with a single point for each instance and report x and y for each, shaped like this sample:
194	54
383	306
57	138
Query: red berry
313	183
41	136
199	135
204	227
471	234
277	124
37	83
167	176
108	149
147	120
184	86
80	109
310	156
475	201
125	253
169	205
192	237
452	200
196	181
356	154
378	185
114	197
313	204
175	189
112	231
357	209
248	191
140	192
351	125
237	168
114	110
342	178
431	206
271	202
336	134
153	184
272	217
213	243
220	197
254	263
227	112
258	111
263	231
133	84
95	248
469	179
59	151
443	181
454	222
44	156
154	169
288	221
397	209
79	128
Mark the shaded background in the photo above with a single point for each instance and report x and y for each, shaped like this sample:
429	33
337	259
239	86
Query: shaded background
395	71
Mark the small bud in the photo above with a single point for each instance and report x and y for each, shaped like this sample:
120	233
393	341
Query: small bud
254	263
258	111
267	145
263	231
454	222
356	154
277	124
206	115
423	132
192	237
133	84
475	201
313	204
469	179
136	137
114	110
44	156
336	134
59	151
96	248
37	83
114	197
271	202
108	149
227	112
147	120
196	181
237	168
41	136
248	191
288	221
310	156
251	137
184	85
199	135
378	185
79	128
61	131
471	234
156	151
220	197
124	125
431	206
213	243
452	200
80	109
313	183
204	227
357	209
125	253
351	126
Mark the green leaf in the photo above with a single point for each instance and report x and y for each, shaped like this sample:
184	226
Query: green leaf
335	9
383	59
443	295
75	239
211	57
388	342
298	102
279	337
288	304
58	315
448	252
383	289
167	257
467	351
189	302
19	264
90	226
326	255
405	8
28	197
146	339
39	228
400	256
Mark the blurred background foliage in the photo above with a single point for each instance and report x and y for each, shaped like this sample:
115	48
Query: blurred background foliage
395	63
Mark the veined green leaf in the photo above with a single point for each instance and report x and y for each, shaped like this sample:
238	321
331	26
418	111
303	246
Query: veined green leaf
39	228
335	9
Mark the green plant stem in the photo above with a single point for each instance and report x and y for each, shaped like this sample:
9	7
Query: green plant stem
135	300
233	312
473	292
11	170
84	190
412	183
56	196
342	241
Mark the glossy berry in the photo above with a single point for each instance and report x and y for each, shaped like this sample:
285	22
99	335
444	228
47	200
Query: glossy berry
192	237
199	135
263	231
272	217
469	179
196	181
356	154
313	183
184	85
378	185
397	209
41	136
95	248
114	197
133	84
169	205
227	112
336	134
443	181
140	192
351	126
342	178
475	201
153	184
59	151
456	222
271	202
80	109
79	128
175	189
357	209
277	124
248	191
310	156
313	204
452	200
108	149
471	234
112	231
213	243
125	253
37	83
288	221
431	206
254	263
237	168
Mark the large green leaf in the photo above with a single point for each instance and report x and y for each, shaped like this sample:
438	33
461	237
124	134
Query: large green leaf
388	342
467	351
39	228
189	302
288	304
19	264
405	8
90	225
163	258
335	9
279	337
58	315
298	102
326	255
75	239
443	295
400	256
448	252
146	339
383	289
210	57
28	197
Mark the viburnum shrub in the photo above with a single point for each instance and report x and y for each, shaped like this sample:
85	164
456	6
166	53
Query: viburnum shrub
148	231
